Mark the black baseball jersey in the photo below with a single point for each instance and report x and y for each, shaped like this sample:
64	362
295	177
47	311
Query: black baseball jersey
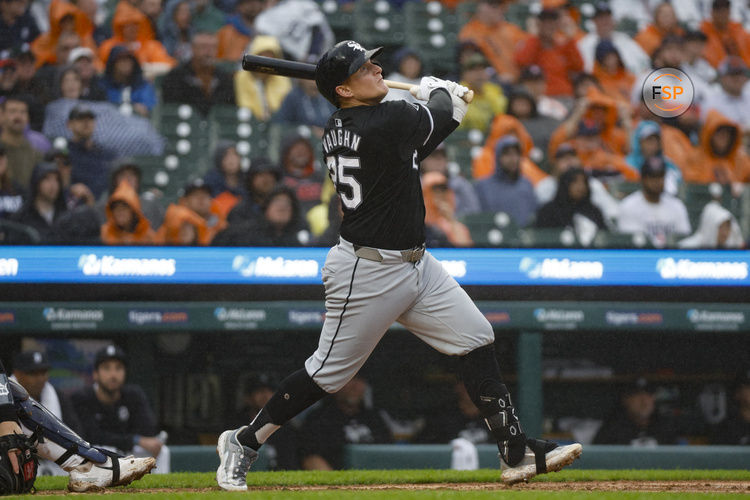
373	154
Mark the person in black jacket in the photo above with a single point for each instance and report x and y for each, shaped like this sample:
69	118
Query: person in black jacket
117	415
46	202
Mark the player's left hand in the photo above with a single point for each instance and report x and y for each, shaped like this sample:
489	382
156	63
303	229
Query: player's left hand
428	84
459	104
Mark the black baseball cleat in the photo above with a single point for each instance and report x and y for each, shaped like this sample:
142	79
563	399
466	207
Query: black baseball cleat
541	457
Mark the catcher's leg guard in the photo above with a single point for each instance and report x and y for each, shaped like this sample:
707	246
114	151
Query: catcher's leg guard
44	424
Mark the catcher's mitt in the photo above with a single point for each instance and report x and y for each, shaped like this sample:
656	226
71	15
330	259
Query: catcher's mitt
23	482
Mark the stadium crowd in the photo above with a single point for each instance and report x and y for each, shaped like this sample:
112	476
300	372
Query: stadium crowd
557	139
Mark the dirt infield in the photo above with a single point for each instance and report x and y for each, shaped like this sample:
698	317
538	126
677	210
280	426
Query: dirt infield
636	486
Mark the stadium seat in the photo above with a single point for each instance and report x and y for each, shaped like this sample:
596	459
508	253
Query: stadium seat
239	126
548	238
492	229
279	132
340	21
168	174
433	33
378	23
462	146
15	233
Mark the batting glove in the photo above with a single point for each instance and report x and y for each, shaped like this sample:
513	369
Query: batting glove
459	105
428	84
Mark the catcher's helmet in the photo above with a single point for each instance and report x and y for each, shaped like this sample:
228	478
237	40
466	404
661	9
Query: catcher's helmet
338	64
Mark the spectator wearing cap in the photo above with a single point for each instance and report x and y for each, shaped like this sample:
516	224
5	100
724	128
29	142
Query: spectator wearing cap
725	37
633	56
650	210
532	80
720	156
463	190
91	161
132	28
75	194
117	415
408	66
11	192
260	179
17	25
507	190
262	93
46	202
18	78
197	197
665	24
735	429
732	98
199	82
238	32
126	224
636	421
646	142
304	105
24	151
70	27
124	84
566	158
717	228
440	210
489	100
496	37
696	67
613	77
554	51
127	169
83	61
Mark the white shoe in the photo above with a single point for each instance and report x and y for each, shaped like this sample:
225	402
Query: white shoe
235	460
95	477
555	460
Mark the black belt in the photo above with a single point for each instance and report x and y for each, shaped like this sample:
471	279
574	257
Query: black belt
411	255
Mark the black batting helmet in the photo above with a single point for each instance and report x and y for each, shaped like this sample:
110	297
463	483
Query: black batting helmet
338	64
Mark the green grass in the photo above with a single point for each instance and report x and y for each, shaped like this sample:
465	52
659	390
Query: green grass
192	480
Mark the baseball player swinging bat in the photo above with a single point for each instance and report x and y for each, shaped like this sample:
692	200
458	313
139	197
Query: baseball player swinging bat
306	71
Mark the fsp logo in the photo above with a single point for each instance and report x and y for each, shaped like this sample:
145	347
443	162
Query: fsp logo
667	92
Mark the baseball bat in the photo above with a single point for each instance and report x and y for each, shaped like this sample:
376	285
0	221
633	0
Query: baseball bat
306	71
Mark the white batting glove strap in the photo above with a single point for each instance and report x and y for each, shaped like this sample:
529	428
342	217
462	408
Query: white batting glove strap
428	84
459	105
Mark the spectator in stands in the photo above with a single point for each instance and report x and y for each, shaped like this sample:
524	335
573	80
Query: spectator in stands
125	85
79	225
572	208
465	196
206	17
646	142
260	92
633	56
507	190
460	419
65	20
117	414
650	210
227	172
725	37
197	197
17	77
496	37
176	30
31	371
238	32
82	60
732	98
300	171
70	84
696	67
91	9
183	227
720	157
46	202
304	105
11	193
48	74
280	225
557	55
344	418
440	210
132	29
613	77
408	66
17	25
300	26
22	154
636	422
127	169
153	10
665	24
91	161
126	224
532	80
735	429
522	106
199	82
260	180
489	100
717	228
283	444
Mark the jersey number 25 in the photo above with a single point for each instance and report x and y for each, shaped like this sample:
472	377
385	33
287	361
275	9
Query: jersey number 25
337	168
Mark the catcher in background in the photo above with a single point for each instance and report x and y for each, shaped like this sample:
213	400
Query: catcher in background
90	469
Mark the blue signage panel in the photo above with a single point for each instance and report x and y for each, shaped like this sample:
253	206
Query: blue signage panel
289	266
